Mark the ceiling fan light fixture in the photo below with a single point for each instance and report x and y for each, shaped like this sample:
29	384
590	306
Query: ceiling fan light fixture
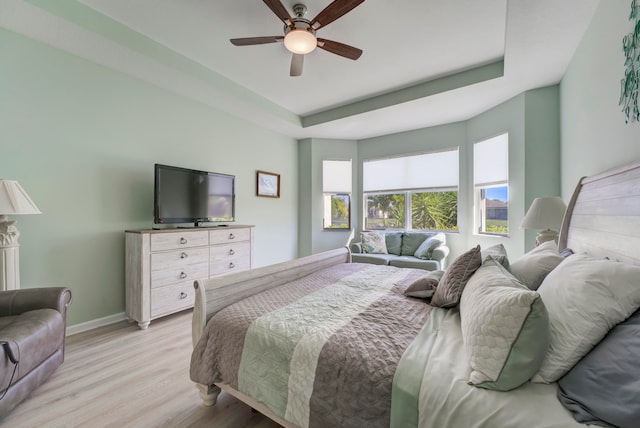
300	41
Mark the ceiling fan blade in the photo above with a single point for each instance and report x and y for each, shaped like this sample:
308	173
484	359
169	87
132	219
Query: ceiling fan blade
281	12
339	49
247	41
296	65
334	11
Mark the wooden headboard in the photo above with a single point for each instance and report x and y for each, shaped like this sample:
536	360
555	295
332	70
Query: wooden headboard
603	216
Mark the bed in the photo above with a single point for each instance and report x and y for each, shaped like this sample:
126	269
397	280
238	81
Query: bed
372	356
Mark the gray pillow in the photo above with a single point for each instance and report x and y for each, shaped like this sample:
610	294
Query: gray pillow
497	253
394	242
411	241
604	385
532	268
450	288
424	286
426	248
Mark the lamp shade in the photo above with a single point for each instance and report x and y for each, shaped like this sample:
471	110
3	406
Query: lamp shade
14	200
545	213
300	41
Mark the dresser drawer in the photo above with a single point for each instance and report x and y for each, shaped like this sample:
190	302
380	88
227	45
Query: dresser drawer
172	298
172	275
224	236
230	258
187	258
177	240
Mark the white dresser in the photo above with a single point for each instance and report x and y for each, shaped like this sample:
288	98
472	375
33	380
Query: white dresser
161	266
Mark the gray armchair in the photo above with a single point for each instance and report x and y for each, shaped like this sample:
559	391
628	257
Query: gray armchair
32	333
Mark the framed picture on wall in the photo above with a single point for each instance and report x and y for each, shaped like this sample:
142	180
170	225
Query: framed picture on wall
268	184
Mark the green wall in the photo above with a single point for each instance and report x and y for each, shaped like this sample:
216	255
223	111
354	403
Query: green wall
82	140
594	135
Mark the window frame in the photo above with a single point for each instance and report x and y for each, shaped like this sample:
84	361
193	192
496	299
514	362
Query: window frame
479	214
324	219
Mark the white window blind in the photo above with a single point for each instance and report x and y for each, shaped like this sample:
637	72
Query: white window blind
429	170
336	176
491	160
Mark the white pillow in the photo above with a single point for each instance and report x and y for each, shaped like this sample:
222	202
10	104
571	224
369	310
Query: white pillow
585	298
373	242
533	267
505	328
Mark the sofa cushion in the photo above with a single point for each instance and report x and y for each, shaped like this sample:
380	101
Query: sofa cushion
33	336
394	242
373	242
375	259
413	262
411	241
428	245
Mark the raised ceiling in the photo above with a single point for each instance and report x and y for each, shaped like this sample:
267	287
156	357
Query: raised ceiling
425	62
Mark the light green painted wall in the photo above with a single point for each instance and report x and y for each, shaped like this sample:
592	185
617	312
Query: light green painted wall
312	237
82	140
594	135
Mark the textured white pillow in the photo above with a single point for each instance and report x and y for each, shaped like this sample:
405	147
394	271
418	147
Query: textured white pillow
533	267
585	298
373	242
505	328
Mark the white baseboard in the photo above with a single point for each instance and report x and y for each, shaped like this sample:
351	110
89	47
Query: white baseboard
99	322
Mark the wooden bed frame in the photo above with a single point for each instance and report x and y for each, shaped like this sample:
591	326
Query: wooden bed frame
602	220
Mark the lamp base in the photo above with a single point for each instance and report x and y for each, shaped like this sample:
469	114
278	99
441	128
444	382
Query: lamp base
546	235
9	255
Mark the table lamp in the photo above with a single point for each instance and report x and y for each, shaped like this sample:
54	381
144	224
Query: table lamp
13	201
545	214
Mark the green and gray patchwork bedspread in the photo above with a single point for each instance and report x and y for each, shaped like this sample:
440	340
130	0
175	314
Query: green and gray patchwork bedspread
321	351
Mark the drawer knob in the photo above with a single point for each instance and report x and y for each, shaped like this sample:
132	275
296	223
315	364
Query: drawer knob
231	265
183	240
232	236
183	295
231	252
184	255
183	275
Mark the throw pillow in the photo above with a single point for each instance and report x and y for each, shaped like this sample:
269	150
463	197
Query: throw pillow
505	328
497	253
428	245
450	288
585	298
533	267
424	286
411	241
373	242
599	390
394	242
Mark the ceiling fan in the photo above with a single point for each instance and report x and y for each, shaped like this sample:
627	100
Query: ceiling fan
300	33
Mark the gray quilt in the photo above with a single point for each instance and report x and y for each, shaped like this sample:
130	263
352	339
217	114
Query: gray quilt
320	351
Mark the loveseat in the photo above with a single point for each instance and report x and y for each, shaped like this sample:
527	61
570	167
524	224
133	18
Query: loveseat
421	250
32	332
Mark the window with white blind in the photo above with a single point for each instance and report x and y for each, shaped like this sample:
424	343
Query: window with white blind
412	192
336	189
491	182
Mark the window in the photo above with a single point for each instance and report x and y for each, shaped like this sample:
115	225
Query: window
491	180
336	188
412	192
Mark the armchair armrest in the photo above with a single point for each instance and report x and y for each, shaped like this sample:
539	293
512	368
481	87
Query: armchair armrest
16	302
356	247
440	254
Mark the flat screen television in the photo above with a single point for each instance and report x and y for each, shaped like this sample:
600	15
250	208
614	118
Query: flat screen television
190	196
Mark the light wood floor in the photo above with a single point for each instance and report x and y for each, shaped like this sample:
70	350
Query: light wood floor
121	376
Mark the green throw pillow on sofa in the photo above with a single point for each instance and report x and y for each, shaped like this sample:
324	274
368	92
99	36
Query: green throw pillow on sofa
411	241
394	242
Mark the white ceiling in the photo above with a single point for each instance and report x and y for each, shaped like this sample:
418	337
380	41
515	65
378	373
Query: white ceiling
406	44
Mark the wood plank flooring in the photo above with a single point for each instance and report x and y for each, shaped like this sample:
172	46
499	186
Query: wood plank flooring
121	376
